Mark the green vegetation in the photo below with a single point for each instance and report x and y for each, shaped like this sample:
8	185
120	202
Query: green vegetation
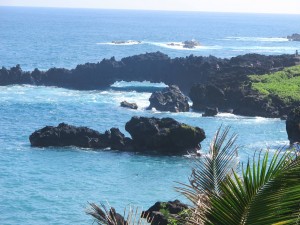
284	84
265	191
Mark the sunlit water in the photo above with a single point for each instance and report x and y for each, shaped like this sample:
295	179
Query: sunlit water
54	185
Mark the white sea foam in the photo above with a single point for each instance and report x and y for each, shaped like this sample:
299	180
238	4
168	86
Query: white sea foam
129	42
180	46
124	84
256	39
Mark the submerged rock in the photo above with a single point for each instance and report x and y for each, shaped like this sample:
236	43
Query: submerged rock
129	105
169	99
165	135
172	210
293	125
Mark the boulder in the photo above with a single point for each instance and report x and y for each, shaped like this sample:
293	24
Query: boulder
210	112
293	125
68	135
161	212
169	99
129	105
165	135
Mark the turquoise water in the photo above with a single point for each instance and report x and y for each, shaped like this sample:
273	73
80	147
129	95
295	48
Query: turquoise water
54	185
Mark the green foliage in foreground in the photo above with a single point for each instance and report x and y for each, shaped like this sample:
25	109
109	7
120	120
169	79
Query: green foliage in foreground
285	84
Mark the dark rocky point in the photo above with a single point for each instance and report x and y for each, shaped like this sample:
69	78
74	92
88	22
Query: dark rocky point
68	135
293	125
169	99
294	37
166	135
129	105
210	112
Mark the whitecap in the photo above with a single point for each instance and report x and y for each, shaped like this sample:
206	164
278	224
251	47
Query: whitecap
128	42
180	46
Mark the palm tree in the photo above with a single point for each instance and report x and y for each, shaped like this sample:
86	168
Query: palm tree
268	191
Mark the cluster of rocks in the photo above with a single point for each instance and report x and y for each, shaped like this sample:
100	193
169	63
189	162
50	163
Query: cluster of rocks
164	135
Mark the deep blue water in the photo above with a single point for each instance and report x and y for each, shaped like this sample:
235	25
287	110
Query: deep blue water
53	185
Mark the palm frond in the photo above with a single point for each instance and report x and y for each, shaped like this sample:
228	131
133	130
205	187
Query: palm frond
209	172
105	216
267	193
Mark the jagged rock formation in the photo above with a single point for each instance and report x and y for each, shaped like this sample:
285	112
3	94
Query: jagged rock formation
169	99
293	125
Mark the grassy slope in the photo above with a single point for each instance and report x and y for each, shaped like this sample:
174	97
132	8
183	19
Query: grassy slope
285	84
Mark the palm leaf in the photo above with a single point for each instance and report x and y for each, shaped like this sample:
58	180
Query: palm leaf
209	172
268	193
103	216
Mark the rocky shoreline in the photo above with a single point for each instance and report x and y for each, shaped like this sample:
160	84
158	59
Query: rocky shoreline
210	81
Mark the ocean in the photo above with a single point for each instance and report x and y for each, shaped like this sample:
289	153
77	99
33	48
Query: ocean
54	185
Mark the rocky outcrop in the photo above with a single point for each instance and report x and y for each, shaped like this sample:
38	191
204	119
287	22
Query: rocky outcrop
68	135
169	99
166	135
161	213
191	44
154	67
129	105
294	37
148	134
210	112
293	125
